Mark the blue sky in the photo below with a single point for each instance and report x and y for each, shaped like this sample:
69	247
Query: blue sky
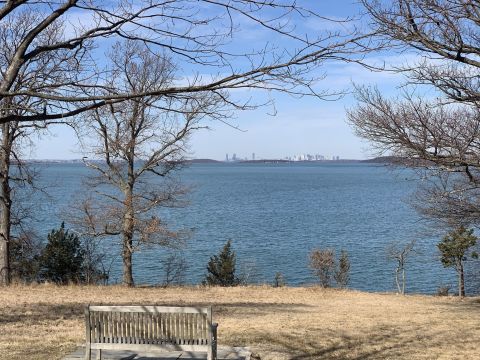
305	125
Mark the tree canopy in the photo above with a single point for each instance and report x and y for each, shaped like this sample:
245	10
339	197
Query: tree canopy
438	135
63	44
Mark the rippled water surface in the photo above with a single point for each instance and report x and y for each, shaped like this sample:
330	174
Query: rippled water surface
275	214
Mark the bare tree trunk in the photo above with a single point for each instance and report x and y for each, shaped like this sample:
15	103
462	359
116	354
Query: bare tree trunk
129	220
403	281
128	225
5	206
127	262
397	271
461	280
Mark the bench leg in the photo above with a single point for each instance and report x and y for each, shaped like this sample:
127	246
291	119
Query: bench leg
88	353
212	353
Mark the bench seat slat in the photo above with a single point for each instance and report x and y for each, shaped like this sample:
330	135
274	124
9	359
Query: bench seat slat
148	347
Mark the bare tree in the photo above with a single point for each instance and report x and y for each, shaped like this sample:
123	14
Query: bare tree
25	251
279	280
174	267
135	147
15	174
94	259
435	30
400	254
322	264
438	136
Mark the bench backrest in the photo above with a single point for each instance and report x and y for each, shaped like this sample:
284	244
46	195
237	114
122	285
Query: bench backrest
153	325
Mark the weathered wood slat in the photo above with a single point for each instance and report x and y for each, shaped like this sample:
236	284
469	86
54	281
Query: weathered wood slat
150	308
145	347
209	334
140	328
148	334
175	328
158	325
97	327
169	328
179	329
136	324
114	320
101	325
192	328
159	328
188	322
145	328
182	329
127	328
199	329
204	333
106	330
124	322
154	328
195	322
149	328
164	326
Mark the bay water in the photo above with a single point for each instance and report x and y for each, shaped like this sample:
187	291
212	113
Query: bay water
275	214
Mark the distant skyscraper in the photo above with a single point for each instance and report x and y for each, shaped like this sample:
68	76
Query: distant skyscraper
226	157
253	156
234	157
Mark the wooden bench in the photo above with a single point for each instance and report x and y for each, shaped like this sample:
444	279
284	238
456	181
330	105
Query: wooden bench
150	329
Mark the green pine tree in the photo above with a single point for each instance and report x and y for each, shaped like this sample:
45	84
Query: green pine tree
221	268
62	259
454	247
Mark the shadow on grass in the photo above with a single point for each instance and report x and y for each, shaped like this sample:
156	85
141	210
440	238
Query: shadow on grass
467	304
40	312
381	344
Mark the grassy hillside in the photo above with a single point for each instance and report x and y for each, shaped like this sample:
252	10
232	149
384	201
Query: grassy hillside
46	321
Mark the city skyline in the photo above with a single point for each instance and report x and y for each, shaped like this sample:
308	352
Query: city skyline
232	157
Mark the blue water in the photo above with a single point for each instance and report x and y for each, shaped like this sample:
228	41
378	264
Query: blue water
275	214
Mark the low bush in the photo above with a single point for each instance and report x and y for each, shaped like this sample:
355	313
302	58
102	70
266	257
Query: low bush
324	266
279	280
322	263
65	258
443	290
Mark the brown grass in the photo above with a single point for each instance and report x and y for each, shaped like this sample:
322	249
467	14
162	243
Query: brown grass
46	321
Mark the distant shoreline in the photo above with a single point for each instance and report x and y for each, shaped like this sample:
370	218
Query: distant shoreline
377	160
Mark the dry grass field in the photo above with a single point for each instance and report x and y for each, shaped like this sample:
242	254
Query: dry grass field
46	321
